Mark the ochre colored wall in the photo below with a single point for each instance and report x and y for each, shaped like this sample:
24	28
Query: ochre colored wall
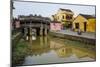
79	20
90	26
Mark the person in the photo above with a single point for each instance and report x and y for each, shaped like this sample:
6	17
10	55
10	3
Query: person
79	32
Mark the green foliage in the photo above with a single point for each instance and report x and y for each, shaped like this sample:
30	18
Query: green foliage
19	52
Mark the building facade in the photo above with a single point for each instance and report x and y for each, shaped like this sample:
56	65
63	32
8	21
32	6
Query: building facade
55	26
84	23
65	16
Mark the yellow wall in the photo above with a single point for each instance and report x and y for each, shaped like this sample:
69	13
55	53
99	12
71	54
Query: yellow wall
79	20
59	16
90	27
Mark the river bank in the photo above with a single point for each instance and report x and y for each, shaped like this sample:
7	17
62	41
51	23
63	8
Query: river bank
88	38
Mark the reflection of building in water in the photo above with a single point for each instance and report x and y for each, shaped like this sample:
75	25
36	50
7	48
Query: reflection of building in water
60	48
64	52
82	52
67	49
56	43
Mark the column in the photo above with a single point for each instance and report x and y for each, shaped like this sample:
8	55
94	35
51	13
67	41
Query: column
45	30
30	33
41	30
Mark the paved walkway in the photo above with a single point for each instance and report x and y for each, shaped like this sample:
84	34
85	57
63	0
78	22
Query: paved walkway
89	35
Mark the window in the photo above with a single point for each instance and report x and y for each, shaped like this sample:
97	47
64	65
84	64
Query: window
77	25
62	16
68	17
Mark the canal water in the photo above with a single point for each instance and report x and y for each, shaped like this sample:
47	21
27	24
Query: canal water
45	50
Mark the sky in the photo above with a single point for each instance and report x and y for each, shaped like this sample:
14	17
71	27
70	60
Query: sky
48	9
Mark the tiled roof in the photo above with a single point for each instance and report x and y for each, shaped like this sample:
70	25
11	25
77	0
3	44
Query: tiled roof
87	16
66	10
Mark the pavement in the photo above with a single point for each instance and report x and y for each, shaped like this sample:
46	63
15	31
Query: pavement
90	35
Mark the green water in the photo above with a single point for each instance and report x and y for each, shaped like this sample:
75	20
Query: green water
48	49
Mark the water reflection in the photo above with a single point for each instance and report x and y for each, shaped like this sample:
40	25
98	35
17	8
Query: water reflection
39	46
60	48
54	50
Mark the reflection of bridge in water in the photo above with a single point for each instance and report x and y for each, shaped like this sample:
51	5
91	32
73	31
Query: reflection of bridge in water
63	50
51	50
33	25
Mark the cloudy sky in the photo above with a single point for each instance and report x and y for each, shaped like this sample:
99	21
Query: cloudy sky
48	9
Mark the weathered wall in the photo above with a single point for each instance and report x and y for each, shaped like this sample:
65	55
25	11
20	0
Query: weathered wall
90	24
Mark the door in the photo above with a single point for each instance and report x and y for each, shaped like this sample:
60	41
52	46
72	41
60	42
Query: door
77	25
85	24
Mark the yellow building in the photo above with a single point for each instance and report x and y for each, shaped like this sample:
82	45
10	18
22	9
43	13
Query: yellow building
84	23
65	16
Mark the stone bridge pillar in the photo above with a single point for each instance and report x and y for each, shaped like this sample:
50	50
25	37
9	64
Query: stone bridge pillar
25	32
41	30
45	30
30	33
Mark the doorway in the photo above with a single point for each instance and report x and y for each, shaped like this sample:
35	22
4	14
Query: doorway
85	25
77	25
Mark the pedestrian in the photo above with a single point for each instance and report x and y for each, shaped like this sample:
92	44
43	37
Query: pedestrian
79	32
